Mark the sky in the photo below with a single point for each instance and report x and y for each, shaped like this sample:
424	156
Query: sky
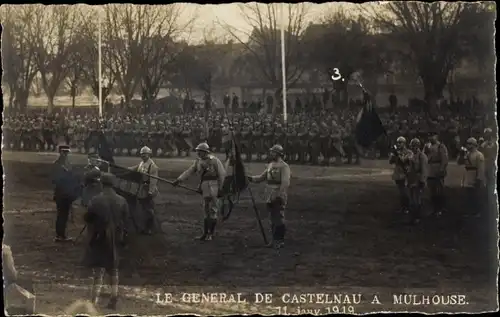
208	15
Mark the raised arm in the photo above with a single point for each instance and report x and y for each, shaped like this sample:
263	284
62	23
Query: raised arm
187	173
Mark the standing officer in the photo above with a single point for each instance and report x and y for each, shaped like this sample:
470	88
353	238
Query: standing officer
437	154
212	173
148	189
91	180
106	220
400	157
66	191
489	150
417	175
473	179
277	174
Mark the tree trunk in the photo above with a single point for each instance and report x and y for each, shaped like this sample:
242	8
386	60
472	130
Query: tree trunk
73	95
50	104
22	99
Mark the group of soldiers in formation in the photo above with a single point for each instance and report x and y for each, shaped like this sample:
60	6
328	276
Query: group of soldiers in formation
326	138
110	217
417	166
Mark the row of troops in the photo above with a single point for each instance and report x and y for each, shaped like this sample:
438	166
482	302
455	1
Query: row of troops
314	144
417	167
109	216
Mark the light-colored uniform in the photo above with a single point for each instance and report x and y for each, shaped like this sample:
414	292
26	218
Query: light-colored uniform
438	163
473	179
401	162
490	151
212	174
417	175
146	194
277	174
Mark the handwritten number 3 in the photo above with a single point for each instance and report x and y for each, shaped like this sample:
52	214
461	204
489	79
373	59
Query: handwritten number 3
336	74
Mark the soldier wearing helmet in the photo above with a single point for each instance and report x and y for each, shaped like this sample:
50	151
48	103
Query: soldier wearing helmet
473	179
400	157
212	174
417	176
147	191
277	175
489	149
437	154
91	180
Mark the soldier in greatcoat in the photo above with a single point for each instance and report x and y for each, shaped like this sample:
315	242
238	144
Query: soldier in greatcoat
106	221
277	176
212	174
67	189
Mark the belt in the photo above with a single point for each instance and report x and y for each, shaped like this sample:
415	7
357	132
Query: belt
209	178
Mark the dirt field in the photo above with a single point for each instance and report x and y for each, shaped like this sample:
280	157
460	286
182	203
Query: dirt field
344	236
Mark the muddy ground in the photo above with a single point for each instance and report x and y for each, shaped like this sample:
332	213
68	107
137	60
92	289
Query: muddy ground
344	236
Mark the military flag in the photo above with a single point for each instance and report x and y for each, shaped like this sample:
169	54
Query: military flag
240	181
369	127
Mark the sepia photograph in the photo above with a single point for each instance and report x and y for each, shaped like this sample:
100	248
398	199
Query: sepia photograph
249	158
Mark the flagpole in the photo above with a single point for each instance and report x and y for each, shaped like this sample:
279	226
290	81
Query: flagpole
283	69
99	66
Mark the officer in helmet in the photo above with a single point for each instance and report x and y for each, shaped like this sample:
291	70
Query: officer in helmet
400	157
212	175
277	177
416	176
489	149
473	180
148	190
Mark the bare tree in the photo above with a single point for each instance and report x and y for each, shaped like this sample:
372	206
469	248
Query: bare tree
263	47
18	55
53	32
342	42
162	49
431	37
129	32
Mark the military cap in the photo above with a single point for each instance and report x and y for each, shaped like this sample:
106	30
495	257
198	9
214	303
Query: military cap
64	148
107	179
277	149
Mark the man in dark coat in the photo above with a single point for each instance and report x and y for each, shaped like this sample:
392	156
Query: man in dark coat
91	181
67	188
106	220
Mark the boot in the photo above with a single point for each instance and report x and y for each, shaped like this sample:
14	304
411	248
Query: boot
205	230
211	228
270	244
279	237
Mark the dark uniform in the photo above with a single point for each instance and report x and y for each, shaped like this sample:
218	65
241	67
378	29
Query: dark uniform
106	220
66	190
